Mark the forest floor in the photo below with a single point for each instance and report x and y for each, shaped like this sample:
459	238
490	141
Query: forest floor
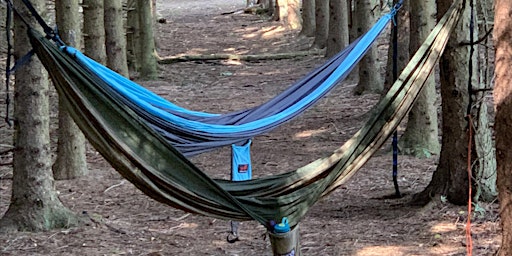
357	219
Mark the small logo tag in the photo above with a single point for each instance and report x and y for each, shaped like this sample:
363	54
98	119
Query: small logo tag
243	168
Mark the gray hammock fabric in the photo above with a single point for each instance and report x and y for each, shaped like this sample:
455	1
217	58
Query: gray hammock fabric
145	158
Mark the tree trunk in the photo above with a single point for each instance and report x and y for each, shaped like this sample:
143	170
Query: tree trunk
338	27
421	137
485	172
321	23
132	36
115	40
451	177
308	18
34	205
353	35
370	79
147	59
503	104
94	30
281	11
294	17
403	26
70	162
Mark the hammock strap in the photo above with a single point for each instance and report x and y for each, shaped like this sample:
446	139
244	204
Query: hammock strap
395	76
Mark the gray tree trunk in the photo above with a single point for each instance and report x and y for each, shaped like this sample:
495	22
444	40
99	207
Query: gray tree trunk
485	174
503	105
71	162
34	205
321	23
403	26
308	18
451	177
338	27
421	137
94	30
370	78
147	59
115	39
132	36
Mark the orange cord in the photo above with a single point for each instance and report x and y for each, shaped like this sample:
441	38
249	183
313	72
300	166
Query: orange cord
469	243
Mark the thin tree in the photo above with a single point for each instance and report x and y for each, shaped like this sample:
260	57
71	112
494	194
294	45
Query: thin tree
294	19
451	177
115	39
321	23
34	205
503	104
403	30
421	137
337	38
71	162
370	79
147	58
132	35
94	30
308	18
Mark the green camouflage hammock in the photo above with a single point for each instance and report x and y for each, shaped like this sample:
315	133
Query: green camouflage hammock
144	158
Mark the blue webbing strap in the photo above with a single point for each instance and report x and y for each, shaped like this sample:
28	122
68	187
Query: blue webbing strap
395	77
395	134
241	169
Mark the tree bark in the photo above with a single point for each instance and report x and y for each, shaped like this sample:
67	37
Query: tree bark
421	137
294	17
403	26
115	39
451	177
503	104
147	59
94	30
370	78
308	18
321	23
71	162
34	205
132	36
338	27
251	57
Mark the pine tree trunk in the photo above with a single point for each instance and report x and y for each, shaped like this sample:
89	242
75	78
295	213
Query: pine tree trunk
132	36
148	64
421	137
308	18
402	21
115	39
34	205
451	177
485	173
294	16
281	11
338	27
321	23
71	162
503	104
370	78
94	30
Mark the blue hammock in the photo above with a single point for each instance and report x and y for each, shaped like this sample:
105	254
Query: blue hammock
193	132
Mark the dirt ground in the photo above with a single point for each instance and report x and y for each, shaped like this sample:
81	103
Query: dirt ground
357	219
